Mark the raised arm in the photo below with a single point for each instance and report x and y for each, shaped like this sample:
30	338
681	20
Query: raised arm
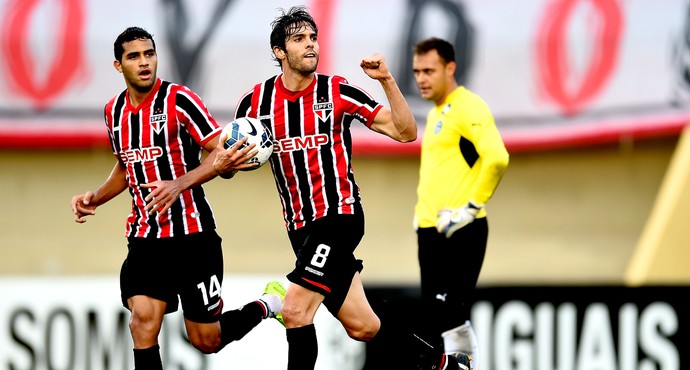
397	122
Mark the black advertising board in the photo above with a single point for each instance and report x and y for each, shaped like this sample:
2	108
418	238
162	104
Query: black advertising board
567	327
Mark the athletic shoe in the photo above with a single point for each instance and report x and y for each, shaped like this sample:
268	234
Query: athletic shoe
277	289
435	361
464	360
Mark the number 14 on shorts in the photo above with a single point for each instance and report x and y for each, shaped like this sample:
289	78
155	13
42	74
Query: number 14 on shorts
212	291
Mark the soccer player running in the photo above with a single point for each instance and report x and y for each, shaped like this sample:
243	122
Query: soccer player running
462	162
157	131
309	116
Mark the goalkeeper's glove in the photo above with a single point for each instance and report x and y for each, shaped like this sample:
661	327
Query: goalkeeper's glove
451	220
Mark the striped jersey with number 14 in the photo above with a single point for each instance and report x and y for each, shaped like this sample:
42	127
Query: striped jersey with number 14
162	139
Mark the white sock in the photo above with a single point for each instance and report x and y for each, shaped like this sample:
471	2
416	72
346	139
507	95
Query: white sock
273	304
461	339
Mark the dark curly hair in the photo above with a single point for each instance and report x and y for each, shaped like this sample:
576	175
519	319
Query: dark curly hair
128	35
287	24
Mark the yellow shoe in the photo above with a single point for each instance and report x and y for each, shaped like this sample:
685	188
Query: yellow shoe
276	288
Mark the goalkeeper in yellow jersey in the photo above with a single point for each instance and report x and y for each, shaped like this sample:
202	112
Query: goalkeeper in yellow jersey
462	162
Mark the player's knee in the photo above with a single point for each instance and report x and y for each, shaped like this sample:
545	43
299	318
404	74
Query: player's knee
294	316
363	333
143	325
205	341
206	345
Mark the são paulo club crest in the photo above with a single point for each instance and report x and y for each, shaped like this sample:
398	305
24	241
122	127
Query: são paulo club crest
323	110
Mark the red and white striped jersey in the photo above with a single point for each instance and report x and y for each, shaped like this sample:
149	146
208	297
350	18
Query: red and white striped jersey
312	143
162	139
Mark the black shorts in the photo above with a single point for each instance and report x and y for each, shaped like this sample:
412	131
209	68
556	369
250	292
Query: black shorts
450	267
326	262
188	266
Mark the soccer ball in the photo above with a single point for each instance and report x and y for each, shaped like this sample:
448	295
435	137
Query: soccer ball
256	133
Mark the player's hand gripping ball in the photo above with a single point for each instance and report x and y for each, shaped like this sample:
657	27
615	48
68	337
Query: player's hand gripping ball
256	133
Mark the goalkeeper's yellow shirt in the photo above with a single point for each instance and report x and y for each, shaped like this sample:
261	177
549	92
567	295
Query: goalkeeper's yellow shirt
463	157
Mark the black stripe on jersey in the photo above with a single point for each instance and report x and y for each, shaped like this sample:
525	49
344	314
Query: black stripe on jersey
195	115
361	96
203	208
323	94
164	166
347	141
117	109
190	158
111	133
469	152
245	105
138	167
357	95
177	219
117	116
160	138
138	216
293	112
161	97
266	98
135	131
265	110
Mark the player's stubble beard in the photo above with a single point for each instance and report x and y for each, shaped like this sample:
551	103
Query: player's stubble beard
297	64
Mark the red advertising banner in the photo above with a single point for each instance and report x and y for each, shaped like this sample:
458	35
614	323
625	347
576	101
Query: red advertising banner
555	73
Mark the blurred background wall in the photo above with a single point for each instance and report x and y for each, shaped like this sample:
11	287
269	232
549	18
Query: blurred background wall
565	216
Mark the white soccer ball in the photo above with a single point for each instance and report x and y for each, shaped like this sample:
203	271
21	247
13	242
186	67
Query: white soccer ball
256	133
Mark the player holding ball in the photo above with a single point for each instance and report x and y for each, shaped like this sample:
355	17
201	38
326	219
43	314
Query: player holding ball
309	115
158	130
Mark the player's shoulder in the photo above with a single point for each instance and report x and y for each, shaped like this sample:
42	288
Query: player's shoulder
271	79
463	96
337	79
113	101
173	90
175	87
267	83
462	92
